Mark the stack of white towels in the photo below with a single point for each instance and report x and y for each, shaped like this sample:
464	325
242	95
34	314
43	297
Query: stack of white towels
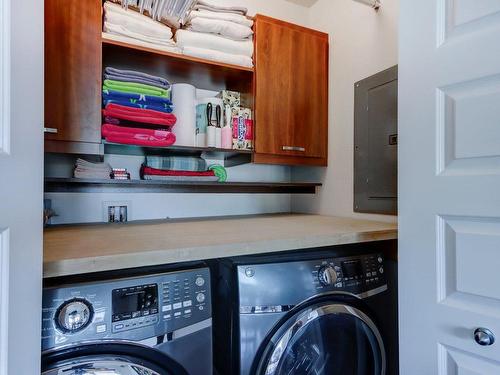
129	26
217	33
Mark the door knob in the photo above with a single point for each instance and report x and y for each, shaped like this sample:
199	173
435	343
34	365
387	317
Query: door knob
484	337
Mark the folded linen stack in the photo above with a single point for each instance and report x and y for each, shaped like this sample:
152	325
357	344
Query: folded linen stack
137	109
181	168
177	163
136	89
217	33
129	26
87	169
148	173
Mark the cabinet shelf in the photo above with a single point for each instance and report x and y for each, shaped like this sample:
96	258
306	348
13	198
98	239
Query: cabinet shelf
74	185
202	73
178	56
230	158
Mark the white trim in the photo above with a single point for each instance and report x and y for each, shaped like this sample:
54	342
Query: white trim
4	76
4	300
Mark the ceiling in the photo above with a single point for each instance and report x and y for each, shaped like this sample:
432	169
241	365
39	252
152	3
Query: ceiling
306	3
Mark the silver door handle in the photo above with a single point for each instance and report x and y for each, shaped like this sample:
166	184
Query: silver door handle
293	148
50	130
484	337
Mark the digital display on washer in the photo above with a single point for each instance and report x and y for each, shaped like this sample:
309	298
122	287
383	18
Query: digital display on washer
352	268
135	301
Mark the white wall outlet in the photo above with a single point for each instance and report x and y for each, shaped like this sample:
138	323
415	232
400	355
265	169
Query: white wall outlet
116	211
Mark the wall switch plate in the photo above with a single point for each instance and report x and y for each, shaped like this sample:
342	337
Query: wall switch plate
116	211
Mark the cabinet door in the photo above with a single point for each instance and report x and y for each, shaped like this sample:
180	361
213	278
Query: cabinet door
291	92
73	68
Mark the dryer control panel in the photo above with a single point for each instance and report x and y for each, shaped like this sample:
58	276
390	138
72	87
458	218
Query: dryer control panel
357	275
275	287
133	309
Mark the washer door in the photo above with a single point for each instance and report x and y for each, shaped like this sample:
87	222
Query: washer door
329	338
109	359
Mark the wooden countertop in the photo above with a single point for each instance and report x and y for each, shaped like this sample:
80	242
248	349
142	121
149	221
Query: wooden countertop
91	248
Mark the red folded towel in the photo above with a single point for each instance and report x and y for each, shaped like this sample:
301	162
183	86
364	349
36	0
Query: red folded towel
141	140
164	172
108	129
146	116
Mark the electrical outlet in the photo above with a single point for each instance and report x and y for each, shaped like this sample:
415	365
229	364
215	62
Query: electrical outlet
116	211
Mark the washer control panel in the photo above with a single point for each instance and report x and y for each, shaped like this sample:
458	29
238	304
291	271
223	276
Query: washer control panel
125	309
354	274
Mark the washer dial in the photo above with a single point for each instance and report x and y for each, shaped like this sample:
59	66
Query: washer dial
74	315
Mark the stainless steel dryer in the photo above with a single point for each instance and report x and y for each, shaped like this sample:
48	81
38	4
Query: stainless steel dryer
310	313
154	324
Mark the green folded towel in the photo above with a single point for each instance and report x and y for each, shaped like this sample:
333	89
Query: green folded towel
219	171
135	88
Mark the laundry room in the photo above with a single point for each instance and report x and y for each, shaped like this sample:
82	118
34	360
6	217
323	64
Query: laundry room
249	187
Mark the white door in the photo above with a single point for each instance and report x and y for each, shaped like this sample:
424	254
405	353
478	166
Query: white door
449	186
21	188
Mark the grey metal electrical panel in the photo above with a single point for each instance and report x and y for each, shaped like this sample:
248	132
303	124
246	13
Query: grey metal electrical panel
376	143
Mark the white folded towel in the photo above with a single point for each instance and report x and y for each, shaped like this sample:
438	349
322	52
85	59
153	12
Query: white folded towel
237	18
186	38
135	22
125	39
223	57
122	31
226	29
204	4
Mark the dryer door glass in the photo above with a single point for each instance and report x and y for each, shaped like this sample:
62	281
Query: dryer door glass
329	339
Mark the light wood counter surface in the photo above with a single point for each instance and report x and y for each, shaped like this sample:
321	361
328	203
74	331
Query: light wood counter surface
72	250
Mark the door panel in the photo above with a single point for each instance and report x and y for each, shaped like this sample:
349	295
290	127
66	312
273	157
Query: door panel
449	178
73	68
21	168
291	89
457	362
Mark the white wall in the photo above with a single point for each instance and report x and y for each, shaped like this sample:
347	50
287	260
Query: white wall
89	207
362	43
281	9
79	208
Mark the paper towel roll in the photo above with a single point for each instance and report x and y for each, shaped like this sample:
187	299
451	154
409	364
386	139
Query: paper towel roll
184	101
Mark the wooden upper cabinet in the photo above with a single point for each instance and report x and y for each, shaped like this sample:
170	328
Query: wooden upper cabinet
291	97
73	68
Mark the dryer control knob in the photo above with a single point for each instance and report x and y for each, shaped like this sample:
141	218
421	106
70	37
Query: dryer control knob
327	275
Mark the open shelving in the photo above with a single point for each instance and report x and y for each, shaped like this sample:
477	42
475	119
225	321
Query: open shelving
74	185
227	157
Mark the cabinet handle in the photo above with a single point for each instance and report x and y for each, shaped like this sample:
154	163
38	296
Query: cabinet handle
293	148
50	130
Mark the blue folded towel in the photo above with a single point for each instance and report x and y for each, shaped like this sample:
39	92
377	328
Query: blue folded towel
136	98
136	77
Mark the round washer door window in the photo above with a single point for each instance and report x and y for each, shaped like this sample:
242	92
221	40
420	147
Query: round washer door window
109	358
325	339
101	366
